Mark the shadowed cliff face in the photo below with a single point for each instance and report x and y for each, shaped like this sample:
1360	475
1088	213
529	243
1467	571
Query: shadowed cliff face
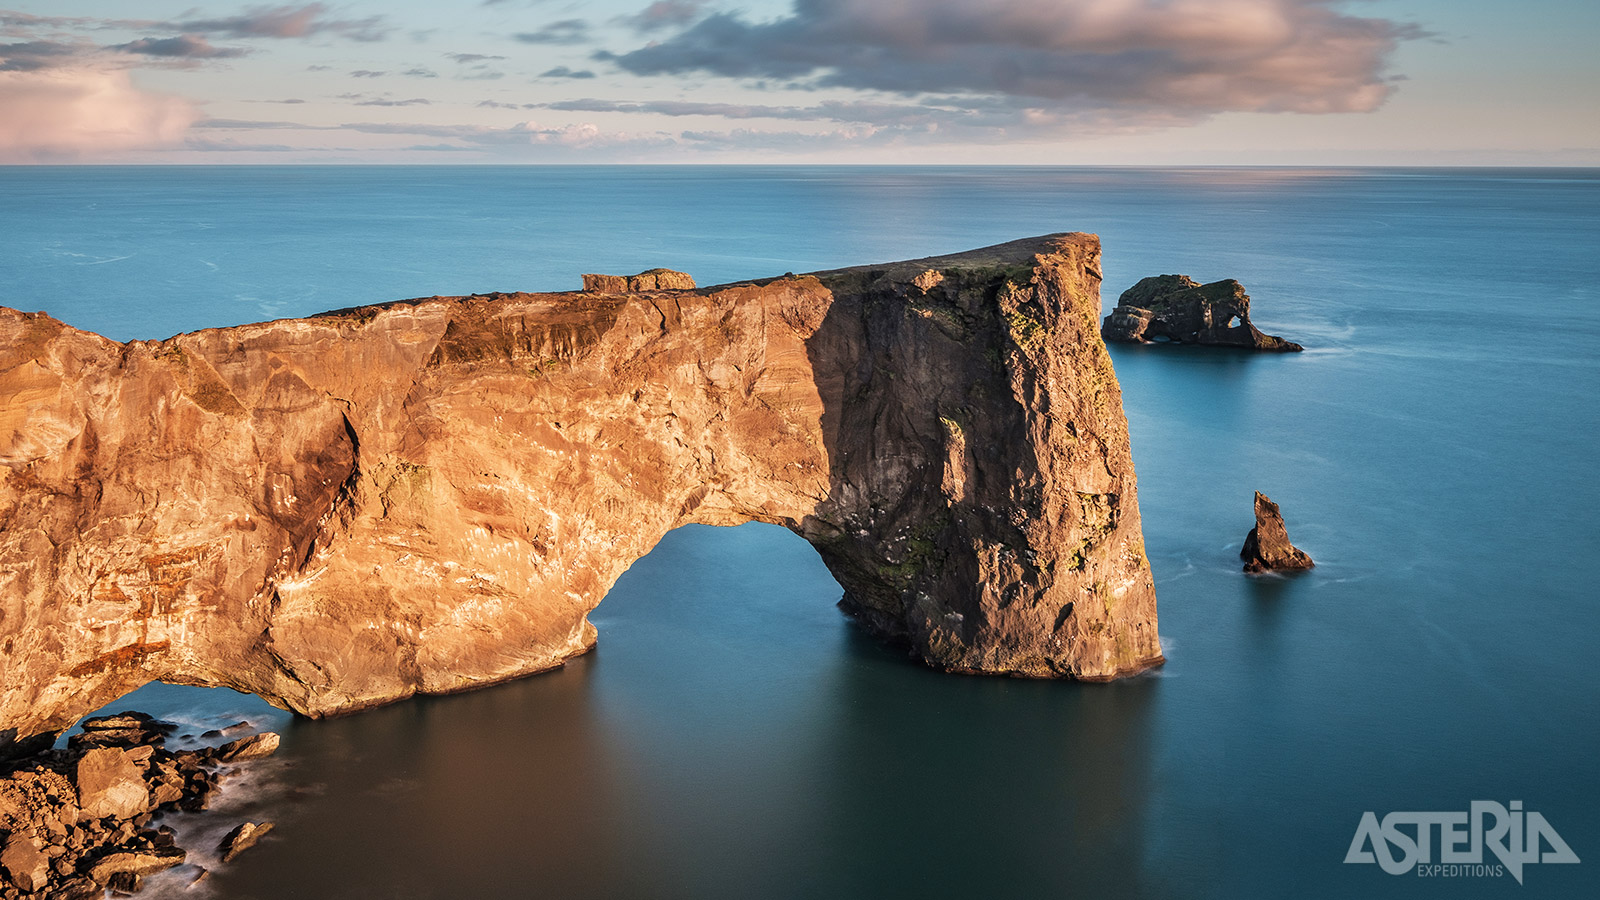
431	495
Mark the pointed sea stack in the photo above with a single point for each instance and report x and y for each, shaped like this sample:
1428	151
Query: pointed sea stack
1267	547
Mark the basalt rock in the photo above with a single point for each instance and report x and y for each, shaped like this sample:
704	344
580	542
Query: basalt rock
431	495
1267	547
1178	309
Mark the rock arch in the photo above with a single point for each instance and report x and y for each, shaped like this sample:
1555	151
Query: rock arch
430	495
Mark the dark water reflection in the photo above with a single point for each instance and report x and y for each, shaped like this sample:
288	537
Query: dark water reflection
733	737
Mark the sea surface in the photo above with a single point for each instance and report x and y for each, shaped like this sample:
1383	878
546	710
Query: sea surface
1434	449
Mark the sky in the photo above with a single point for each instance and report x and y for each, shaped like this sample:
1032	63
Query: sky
1052	82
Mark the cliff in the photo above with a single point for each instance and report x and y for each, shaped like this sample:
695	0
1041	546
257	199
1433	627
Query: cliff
430	495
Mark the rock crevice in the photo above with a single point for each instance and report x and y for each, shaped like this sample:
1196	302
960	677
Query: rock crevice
431	495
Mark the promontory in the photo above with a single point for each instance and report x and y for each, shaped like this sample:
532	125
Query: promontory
430	495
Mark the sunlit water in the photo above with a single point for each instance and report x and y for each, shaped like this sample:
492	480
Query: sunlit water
1434	450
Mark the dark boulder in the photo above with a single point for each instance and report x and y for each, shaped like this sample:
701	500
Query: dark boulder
1267	547
1178	309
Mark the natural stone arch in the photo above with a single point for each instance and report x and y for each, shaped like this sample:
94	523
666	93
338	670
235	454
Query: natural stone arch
430	495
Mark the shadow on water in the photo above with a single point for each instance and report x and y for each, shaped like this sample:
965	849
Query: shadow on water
734	736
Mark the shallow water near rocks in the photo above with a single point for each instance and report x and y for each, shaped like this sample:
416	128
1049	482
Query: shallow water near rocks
734	736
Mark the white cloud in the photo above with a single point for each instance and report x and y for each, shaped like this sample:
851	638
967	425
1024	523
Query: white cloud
72	113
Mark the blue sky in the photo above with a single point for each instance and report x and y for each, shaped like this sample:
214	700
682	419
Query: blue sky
1164	82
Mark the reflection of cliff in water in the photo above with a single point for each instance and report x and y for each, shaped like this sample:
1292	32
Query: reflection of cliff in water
734	736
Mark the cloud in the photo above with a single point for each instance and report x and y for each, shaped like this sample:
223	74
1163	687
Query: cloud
835	111
184	46
564	72
367	73
566	31
927	121
1194	57
520	136
359	99
250	124
665	14
68	113
287	22
785	142
421	72
209	145
28	56
464	58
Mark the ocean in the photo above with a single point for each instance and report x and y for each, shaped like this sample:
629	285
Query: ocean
734	736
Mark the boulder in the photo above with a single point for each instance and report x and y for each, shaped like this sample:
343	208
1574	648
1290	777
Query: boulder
241	839
25	862
1267	547
79	888
135	862
127	720
1178	309
111	783
256	746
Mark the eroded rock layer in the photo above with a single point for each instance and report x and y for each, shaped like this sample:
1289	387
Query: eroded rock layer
431	495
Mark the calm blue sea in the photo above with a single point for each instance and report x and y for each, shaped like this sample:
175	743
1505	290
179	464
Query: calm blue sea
1434	449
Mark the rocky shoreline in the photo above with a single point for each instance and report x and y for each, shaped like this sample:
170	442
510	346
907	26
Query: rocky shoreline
77	821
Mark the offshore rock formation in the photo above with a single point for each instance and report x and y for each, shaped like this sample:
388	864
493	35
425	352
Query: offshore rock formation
430	495
1267	547
1177	308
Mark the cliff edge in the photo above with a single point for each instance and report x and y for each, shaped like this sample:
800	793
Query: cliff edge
430	495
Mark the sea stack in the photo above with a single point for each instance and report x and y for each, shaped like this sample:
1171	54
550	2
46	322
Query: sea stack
1267	547
430	495
1180	310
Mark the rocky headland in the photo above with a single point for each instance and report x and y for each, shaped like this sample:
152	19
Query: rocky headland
1178	309
430	495
77	821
